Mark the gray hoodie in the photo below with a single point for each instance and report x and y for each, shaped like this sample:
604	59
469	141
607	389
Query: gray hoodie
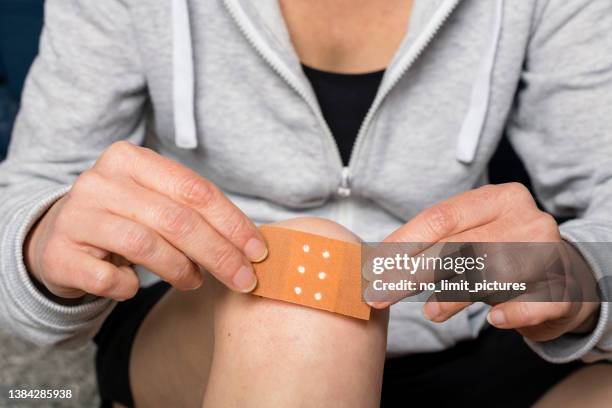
217	86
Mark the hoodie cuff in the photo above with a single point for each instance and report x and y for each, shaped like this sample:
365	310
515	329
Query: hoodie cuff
596	345
35	315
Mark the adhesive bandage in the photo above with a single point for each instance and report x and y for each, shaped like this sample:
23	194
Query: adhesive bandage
312	270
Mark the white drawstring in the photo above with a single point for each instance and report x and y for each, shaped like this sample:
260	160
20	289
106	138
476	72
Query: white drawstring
469	136
183	86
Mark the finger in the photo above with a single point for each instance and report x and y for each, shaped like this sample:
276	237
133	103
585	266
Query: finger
435	224
182	227
430	270
443	305
187	187
507	262
446	302
85	272
441	311
520	314
458	214
504	267
140	245
534	228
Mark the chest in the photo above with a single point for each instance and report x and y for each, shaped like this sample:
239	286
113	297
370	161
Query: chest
346	35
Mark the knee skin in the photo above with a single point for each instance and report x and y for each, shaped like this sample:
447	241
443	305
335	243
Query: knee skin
242	350
297	351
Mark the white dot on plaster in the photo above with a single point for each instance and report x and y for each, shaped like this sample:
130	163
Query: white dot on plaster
297	290
325	254
306	248
301	269
318	296
322	275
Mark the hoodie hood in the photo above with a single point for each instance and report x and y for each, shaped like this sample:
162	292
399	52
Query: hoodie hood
185	129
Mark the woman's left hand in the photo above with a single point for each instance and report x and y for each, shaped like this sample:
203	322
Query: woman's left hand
501	213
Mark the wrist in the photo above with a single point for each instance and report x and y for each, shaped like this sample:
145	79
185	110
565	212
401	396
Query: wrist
30	247
581	272
590	311
31	251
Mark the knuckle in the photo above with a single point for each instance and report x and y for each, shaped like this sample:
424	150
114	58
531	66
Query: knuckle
516	192
237	225
525	314
116	155
441	220
121	148
184	272
196	192
517	200
543	227
86	183
177	220
139	243
488	192
224	261
517	189
104	280
547	222
506	265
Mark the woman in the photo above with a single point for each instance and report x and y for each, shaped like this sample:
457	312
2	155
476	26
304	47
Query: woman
380	115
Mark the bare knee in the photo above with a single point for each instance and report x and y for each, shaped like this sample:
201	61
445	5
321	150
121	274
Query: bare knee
300	352
290	322
320	226
226	347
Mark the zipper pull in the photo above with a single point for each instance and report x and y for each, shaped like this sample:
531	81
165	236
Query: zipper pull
344	190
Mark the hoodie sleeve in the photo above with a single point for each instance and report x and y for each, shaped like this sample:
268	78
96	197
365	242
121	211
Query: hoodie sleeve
562	128
85	90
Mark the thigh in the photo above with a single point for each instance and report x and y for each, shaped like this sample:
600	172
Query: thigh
590	386
172	351
219	348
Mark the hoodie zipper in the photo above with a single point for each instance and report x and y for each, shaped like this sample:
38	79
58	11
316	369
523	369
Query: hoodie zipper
281	69
346	172
428	34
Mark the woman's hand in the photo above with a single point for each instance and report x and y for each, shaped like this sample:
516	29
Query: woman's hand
137	207
506	213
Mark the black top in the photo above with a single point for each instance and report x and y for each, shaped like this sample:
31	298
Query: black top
345	100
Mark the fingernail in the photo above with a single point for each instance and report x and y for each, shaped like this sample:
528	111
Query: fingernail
198	285
376	299
431	310
245	279
256	250
379	305
496	318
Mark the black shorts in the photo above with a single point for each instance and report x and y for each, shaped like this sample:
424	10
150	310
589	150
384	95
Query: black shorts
496	369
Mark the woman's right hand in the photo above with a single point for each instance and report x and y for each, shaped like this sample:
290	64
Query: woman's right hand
137	207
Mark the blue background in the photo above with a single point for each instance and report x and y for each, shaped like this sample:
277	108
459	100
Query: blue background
20	25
